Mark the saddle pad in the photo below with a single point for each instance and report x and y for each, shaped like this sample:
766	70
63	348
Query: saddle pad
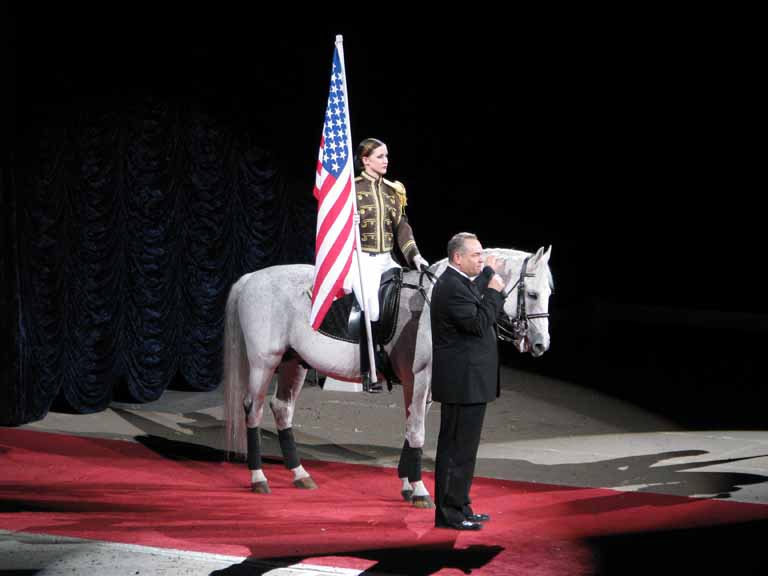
339	325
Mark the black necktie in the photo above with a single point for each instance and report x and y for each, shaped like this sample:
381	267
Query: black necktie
475	290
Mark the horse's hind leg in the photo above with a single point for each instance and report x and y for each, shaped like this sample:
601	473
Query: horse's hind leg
258	386
290	381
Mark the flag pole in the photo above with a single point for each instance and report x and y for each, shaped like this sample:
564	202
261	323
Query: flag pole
358	248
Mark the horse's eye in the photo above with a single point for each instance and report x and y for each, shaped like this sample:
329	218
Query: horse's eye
533	295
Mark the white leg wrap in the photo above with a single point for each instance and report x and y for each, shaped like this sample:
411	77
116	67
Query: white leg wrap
257	476
299	473
406	484
419	489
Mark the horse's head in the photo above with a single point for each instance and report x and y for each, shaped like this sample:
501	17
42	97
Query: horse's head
526	307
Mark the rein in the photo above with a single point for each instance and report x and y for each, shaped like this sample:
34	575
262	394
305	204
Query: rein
420	287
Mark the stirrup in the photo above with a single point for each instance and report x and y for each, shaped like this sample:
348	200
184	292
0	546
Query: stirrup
371	387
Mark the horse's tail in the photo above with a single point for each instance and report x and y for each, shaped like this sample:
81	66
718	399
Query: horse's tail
235	372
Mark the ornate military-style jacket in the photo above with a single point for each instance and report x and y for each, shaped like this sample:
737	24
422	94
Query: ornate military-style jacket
381	205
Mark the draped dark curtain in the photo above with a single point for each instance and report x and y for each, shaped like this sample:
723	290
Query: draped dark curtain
9	304
10	389
131	226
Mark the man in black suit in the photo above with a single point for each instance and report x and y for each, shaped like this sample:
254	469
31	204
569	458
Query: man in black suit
466	301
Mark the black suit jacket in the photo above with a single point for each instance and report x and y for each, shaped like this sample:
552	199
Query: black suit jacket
464	351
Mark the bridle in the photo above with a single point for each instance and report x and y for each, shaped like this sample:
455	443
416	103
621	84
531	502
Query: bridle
516	329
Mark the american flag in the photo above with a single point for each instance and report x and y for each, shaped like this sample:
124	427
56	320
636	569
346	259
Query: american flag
335	238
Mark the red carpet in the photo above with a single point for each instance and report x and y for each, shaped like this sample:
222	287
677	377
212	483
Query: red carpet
175	495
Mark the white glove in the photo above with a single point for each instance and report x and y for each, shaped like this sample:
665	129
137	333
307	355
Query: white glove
420	263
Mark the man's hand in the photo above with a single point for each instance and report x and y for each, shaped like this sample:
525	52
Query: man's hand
496	283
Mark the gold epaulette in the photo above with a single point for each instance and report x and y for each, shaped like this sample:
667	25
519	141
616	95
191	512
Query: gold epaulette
399	188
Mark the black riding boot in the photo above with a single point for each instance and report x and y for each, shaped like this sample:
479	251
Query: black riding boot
365	363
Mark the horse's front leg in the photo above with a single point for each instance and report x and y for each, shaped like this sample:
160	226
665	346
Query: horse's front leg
417	402
290	381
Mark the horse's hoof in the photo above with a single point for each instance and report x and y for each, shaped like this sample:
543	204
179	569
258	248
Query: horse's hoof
422	502
407	495
260	488
306	483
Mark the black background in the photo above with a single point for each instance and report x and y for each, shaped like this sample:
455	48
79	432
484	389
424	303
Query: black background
628	142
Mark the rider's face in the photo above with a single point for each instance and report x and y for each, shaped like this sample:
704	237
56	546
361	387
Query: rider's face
470	259
376	163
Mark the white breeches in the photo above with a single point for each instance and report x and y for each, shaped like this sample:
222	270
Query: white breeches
372	266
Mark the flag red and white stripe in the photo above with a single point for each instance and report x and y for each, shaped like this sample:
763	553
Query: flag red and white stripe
334	190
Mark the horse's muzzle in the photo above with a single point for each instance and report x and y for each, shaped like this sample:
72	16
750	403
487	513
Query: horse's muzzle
519	334
537	348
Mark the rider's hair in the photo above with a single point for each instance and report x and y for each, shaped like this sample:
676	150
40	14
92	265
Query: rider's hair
456	244
365	149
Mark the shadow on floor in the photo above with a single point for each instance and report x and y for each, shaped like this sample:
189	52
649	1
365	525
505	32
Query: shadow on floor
727	549
647	471
421	561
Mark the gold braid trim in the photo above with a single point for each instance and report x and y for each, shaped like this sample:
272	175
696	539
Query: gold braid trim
399	188
408	246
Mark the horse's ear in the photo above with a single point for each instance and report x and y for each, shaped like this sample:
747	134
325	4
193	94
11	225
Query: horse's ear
537	257
548	253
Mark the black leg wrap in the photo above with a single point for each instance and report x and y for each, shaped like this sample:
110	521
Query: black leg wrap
254	448
410	463
402	469
288	448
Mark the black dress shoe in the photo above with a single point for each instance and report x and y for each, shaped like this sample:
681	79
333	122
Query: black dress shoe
478	517
463	525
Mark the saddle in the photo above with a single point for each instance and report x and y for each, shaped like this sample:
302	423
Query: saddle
344	321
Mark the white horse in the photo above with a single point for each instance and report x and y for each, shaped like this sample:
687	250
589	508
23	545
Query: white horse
267	317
